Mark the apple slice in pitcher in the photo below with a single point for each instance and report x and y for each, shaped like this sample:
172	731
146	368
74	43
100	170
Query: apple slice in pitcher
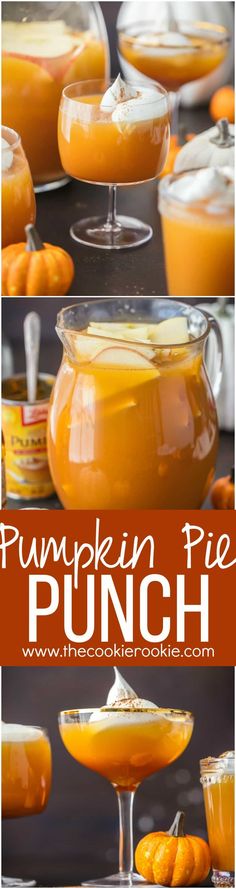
49	45
117	356
172	331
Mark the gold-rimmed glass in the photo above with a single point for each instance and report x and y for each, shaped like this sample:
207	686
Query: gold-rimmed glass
125	745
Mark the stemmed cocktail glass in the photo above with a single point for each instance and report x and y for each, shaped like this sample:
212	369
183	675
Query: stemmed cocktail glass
125	745
95	149
174	53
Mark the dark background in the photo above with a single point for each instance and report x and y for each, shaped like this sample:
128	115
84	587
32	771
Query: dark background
76	837
13	313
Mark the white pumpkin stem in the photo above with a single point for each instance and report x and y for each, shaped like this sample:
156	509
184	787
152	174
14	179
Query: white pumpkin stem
33	241
223	139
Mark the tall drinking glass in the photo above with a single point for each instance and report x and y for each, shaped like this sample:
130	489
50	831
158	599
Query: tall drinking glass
217	779
26	776
18	200
198	235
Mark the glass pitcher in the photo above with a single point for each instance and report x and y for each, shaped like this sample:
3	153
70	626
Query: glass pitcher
133	425
45	47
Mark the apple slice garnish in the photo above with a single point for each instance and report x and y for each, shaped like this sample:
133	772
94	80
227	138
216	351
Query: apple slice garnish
117	356
51	48
172	331
138	332
125	332
85	348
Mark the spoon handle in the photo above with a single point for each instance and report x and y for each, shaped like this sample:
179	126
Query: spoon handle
32	330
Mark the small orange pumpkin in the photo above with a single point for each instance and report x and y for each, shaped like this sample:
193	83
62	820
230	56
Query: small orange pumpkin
222	492
222	104
35	269
174	149
172	859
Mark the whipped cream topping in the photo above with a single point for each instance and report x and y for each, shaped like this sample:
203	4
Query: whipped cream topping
119	91
220	765
129	105
16	733
213	184
122	697
7	155
227	761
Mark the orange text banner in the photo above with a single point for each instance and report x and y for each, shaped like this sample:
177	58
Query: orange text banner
123	587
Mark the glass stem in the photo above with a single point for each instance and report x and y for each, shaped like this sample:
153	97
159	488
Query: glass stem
125	802
111	216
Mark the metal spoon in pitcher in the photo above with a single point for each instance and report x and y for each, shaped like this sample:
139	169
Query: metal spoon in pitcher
32	331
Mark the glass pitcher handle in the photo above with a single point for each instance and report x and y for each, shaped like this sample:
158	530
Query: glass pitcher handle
215	364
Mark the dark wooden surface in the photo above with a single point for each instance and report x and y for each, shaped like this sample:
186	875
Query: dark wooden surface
100	272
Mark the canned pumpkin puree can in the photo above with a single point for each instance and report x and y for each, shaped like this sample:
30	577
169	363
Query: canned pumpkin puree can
25	433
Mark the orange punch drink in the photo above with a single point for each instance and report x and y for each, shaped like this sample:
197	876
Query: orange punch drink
26	770
39	59
197	215
125	746
182	53
217	778
113	137
132	420
113	133
18	200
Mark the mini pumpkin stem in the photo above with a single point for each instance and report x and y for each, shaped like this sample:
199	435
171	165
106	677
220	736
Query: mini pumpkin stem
177	828
223	139
33	241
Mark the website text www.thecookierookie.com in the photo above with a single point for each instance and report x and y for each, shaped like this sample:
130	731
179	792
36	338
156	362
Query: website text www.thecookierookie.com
119	652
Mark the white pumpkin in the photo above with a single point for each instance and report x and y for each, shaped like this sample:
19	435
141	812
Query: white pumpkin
162	12
213	148
223	311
